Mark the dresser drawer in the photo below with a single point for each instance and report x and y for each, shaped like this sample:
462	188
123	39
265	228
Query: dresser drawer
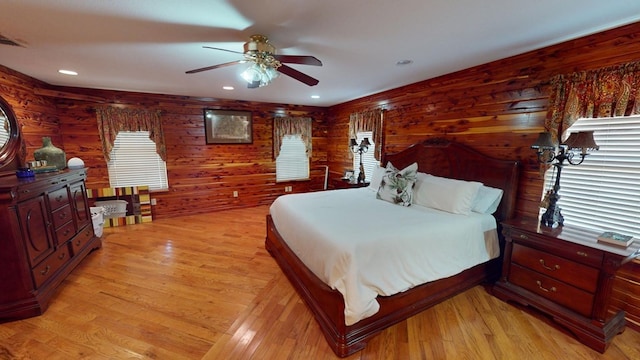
566	295
62	216
49	266
58	198
65	233
559	268
79	242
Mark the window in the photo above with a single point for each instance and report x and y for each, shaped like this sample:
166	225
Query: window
603	192
135	162
368	159
292	163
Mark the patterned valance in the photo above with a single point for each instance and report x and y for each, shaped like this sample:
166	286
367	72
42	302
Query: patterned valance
605	92
371	120
112	120
283	126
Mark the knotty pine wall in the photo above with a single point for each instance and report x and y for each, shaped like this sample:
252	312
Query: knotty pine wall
498	108
202	178
36	115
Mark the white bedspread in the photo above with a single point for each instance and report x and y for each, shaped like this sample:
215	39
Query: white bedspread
364	247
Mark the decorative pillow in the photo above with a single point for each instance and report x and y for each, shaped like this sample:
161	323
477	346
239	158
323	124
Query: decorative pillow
487	200
376	178
451	195
397	185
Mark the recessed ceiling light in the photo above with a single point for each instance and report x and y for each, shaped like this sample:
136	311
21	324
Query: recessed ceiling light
228	88
315	96
404	62
67	72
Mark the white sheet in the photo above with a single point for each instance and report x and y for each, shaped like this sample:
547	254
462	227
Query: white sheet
364	247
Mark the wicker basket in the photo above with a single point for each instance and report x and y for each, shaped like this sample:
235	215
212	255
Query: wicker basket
113	208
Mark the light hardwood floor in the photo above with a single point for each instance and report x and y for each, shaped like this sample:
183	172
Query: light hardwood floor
203	287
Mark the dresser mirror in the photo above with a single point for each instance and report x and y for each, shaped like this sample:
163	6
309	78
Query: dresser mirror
9	139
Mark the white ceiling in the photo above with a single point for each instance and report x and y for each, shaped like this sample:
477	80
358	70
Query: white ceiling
147	45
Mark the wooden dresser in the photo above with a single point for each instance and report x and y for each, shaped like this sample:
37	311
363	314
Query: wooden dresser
565	273
46	230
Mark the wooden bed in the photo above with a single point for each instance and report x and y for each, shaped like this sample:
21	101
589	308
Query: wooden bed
437	157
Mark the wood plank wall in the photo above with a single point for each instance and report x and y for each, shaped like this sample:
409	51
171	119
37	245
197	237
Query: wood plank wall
36	115
498	107
202	178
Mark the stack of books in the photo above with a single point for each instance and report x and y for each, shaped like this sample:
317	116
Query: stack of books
614	238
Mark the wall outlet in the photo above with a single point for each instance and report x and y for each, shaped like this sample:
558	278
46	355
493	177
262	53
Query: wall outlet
153	202
288	189
235	194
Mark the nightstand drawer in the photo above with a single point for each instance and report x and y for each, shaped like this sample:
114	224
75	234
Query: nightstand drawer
568	296
572	273
575	252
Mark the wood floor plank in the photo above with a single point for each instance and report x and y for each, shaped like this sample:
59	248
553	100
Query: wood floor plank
204	287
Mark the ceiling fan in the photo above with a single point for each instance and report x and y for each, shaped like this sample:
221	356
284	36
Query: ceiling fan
265	63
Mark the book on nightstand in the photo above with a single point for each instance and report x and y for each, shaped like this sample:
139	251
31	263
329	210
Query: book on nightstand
614	238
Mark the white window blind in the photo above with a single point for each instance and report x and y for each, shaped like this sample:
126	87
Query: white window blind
368	159
135	162
603	192
4	131
292	162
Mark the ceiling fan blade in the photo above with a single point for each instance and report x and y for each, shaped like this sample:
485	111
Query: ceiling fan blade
289	71
221	49
215	66
298	59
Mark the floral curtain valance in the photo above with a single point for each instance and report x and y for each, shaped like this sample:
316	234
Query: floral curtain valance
112	120
283	126
370	120
606	92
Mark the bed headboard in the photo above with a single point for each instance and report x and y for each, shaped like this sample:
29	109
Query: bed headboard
441	157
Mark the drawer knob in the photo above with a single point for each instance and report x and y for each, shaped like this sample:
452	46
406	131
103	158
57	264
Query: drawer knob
554	268
523	236
552	289
45	271
62	256
582	253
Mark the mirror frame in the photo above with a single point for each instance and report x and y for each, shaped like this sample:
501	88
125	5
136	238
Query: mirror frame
9	159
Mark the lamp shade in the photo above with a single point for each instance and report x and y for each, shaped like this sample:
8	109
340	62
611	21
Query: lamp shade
544	142
365	142
353	142
581	140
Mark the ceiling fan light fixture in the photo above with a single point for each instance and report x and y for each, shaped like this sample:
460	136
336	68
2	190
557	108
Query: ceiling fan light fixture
258	75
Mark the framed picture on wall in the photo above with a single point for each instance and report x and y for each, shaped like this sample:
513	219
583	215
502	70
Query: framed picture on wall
228	126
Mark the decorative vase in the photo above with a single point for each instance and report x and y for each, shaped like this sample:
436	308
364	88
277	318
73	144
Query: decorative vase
53	155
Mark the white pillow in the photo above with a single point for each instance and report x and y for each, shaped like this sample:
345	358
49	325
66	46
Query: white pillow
487	200
376	178
451	195
397	185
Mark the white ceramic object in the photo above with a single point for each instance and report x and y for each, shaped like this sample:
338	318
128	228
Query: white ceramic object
75	163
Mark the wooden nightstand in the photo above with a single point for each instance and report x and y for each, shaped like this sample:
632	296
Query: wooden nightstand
346	184
565	273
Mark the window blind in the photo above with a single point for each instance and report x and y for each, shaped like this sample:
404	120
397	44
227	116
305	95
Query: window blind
603	192
135	162
292	162
368	159
4	131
